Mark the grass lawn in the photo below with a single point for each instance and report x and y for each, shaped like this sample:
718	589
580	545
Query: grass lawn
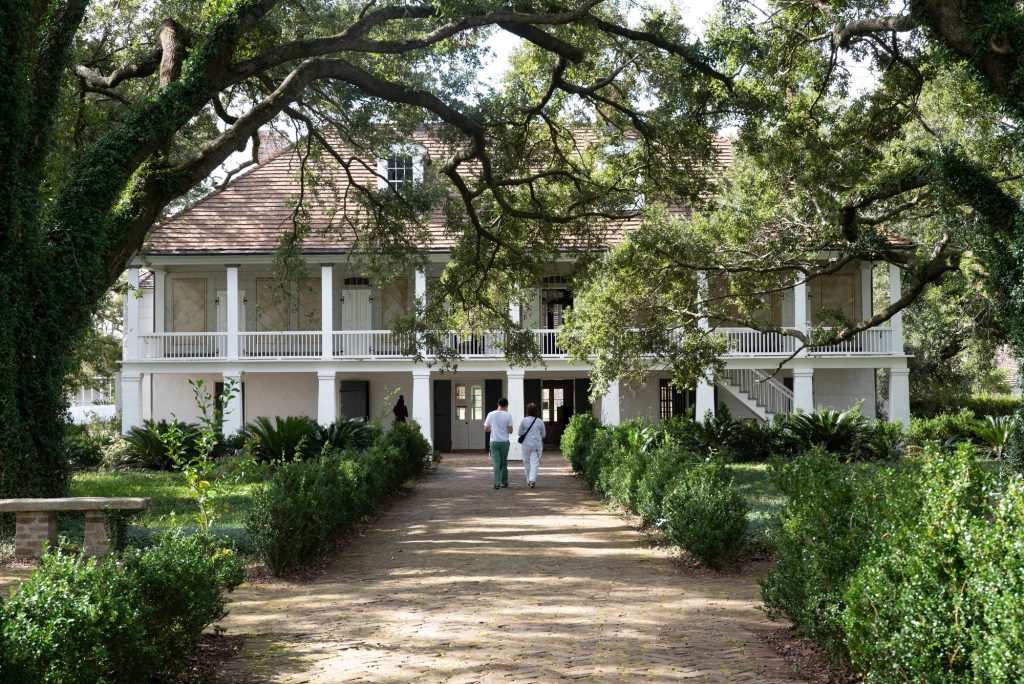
765	501
169	493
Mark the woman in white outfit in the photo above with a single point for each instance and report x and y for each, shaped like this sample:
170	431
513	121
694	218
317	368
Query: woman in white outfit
531	435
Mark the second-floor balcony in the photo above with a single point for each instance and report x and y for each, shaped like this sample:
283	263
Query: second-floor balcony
385	344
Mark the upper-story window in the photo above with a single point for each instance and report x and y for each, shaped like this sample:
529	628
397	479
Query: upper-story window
402	166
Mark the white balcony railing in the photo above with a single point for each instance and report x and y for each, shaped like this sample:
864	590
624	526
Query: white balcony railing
183	346
371	344
368	344
279	345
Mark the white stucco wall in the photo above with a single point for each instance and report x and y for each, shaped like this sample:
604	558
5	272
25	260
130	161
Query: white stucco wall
172	395
638	400
736	408
840	389
280	394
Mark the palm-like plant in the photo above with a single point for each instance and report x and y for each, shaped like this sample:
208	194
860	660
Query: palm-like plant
836	431
995	432
346	433
147	450
283	439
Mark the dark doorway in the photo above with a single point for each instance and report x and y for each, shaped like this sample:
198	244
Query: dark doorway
355	399
443	415
556	407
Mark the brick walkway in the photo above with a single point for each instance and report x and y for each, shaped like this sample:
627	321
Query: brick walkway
462	583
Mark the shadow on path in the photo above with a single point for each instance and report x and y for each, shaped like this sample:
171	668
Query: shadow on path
460	582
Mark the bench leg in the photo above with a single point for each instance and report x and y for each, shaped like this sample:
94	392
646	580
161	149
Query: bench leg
33	529
97	536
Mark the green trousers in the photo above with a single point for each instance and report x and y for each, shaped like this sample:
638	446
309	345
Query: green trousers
499	459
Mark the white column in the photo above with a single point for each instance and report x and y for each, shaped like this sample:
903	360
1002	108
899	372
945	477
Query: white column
514	312
131	400
232	312
705	400
233	418
800	308
327	311
866	289
517	407
159	299
422	409
131	315
702	295
803	390
899	395
420	293
326	398
610	405
895	292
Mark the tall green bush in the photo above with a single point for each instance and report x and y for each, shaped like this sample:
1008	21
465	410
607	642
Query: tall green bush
826	525
910	614
578	438
119	619
705	514
664	464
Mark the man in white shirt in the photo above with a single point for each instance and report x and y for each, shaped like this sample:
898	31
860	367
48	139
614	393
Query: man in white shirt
498	425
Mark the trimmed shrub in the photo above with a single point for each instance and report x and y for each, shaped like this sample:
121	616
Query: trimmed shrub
909	614
283	439
116	619
664	464
882	440
578	438
705	514
308	503
942	429
993	404
825	527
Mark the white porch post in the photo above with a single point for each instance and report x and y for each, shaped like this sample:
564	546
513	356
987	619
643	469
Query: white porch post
232	312
705	400
800	308
517	407
866	289
233	418
327	311
705	388
420	293
899	395
131	400
422	411
895	292
803	390
159	299
131	315
513	312
610	414
326	398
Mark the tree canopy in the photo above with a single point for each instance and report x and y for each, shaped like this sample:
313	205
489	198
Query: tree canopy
115	110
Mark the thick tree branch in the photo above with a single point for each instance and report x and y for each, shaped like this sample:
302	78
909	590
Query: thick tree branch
843	35
147	67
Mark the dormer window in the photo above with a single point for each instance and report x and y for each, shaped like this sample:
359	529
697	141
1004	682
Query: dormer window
402	166
400	170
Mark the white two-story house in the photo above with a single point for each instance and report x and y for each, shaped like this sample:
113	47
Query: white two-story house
211	309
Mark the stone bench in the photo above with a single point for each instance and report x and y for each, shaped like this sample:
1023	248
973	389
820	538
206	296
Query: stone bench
37	521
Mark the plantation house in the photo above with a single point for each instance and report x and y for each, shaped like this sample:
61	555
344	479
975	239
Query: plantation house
211	309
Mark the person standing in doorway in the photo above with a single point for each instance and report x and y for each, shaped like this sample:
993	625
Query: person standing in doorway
498	425
531	436
401	411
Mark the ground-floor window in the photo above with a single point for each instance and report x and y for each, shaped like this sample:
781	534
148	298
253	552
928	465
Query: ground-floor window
674	402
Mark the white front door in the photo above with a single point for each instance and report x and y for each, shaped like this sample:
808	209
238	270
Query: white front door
222	311
356	311
467	415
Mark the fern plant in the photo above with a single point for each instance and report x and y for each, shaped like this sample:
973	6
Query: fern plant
346	433
147	448
838	432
